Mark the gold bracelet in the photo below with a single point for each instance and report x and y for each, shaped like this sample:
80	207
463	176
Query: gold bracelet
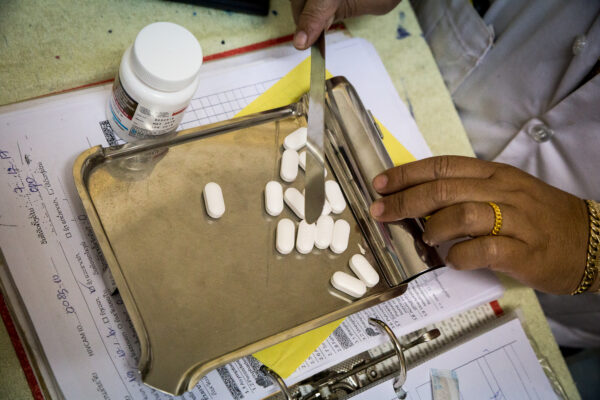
591	267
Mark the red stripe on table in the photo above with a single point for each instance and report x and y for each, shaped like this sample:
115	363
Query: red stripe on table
210	57
261	45
20	350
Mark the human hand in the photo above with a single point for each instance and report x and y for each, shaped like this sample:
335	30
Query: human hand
314	16
544	235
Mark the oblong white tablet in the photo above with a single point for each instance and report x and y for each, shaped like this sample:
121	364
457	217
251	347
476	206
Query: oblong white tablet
213	200
326	208
289	166
324	232
305	241
335	197
364	270
273	198
302	162
302	159
341	234
296	140
295	201
348	284
284	242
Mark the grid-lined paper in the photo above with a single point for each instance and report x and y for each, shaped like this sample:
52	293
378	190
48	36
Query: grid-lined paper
209	108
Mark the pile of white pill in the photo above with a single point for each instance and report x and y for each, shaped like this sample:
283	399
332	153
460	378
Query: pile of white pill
325	233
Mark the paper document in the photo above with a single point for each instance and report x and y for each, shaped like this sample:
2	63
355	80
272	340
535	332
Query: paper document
499	364
86	336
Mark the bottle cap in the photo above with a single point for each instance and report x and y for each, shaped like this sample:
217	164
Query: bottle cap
166	56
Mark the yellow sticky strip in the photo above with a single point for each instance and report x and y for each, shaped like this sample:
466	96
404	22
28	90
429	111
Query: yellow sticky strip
287	90
285	357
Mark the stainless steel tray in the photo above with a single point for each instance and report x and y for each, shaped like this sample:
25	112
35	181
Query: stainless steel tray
203	292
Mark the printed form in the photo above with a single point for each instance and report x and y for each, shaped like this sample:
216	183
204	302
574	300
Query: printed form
497	365
56	266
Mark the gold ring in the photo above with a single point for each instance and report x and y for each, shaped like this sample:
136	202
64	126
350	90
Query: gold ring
497	219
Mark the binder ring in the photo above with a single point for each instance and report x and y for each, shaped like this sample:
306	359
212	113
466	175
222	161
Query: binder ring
401	376
278	380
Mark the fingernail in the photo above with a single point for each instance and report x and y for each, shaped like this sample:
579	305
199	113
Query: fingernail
300	39
377	209
380	182
427	241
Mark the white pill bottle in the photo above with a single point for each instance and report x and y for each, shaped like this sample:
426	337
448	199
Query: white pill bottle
157	79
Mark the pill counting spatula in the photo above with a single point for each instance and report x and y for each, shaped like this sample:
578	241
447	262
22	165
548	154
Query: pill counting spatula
315	161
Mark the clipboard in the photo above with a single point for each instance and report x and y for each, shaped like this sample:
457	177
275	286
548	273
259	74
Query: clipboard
50	382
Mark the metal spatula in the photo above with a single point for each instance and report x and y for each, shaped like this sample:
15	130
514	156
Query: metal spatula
315	158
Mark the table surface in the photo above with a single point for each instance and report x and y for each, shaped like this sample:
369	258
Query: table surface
49	46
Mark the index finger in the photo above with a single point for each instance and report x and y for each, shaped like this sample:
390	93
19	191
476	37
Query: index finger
430	169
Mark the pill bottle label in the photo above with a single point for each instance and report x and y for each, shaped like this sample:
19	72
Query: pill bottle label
129	119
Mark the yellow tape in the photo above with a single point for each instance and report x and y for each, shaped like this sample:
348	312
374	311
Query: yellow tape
287	90
284	358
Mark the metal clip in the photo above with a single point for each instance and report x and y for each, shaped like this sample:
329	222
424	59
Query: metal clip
337	383
401	377
278	380
375	125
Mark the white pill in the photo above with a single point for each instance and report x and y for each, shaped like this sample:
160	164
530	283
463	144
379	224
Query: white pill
364	270
324	232
284	242
273	198
296	140
326	208
302	162
335	197
348	284
305	241
213	200
295	201
341	234
289	166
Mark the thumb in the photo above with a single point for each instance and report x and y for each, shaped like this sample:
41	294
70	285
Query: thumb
316	16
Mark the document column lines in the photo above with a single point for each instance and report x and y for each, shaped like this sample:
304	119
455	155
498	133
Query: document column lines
486	354
495	380
94	321
8	225
520	362
517	371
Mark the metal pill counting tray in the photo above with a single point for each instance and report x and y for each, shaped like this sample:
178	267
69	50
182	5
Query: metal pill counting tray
203	292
